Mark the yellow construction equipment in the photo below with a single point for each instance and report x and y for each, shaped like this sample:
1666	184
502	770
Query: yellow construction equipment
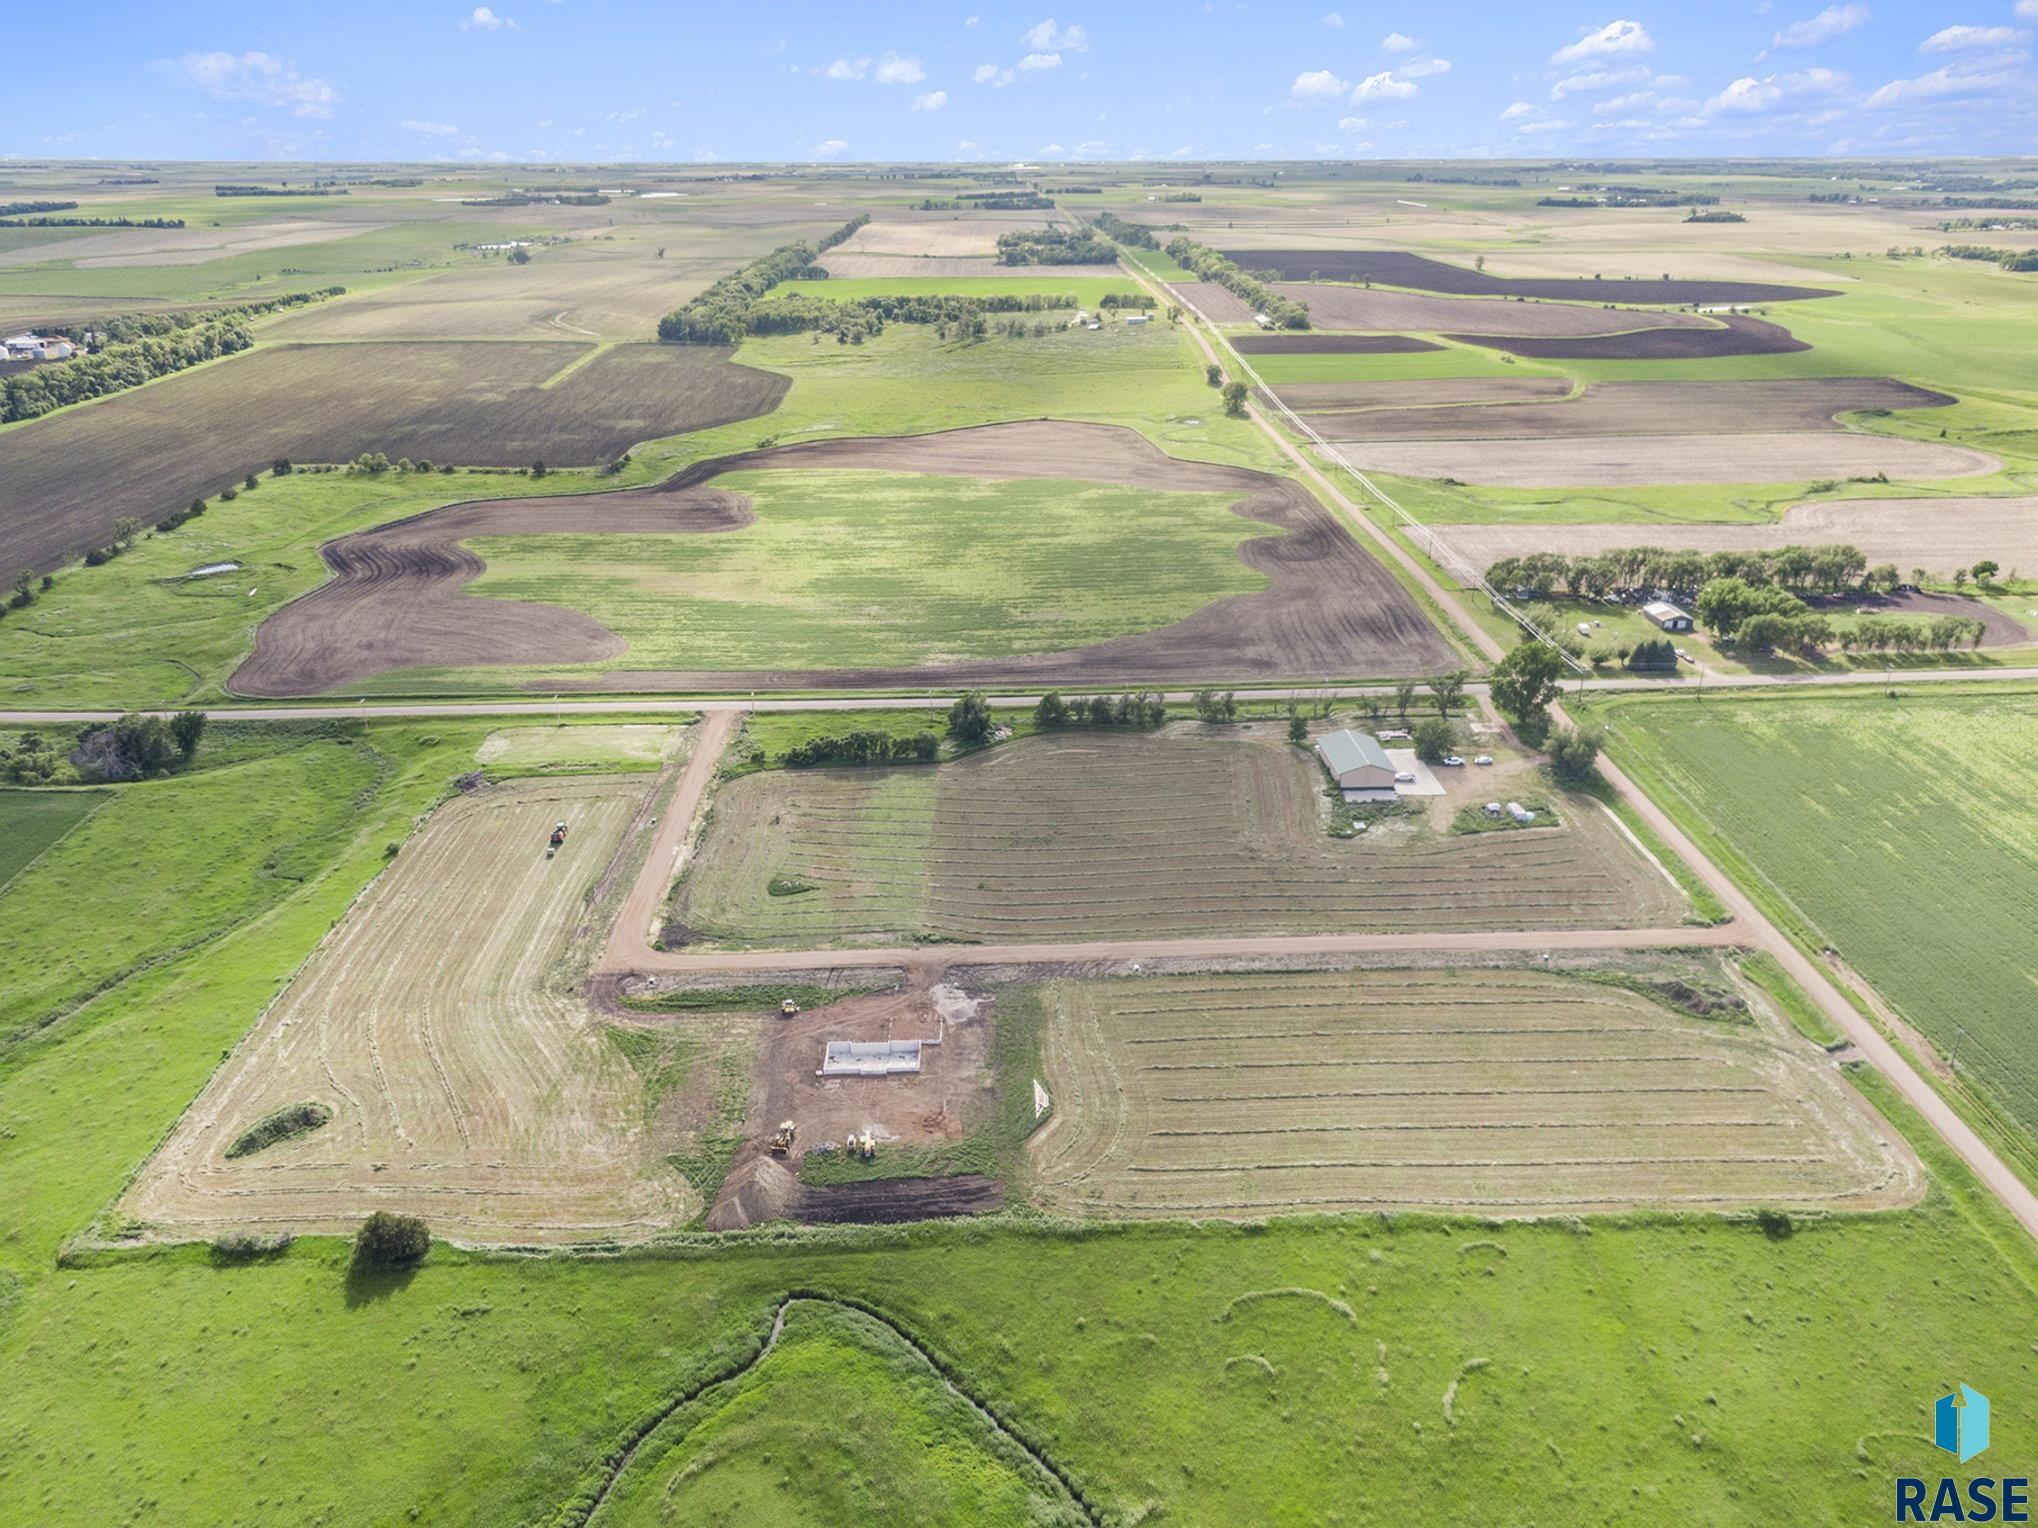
788	1009
864	1145
782	1143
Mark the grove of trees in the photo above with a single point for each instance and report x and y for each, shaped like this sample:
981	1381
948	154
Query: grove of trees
1209	265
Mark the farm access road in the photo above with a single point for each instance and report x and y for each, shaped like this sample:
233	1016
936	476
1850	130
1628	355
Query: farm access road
850	701
1754	926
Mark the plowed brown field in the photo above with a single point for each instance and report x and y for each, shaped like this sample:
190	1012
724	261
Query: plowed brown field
1496	1091
466	1080
1636	460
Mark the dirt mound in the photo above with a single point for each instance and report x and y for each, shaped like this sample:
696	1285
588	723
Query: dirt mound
1737	335
1331	344
1401	269
395	600
891	1200
754	1192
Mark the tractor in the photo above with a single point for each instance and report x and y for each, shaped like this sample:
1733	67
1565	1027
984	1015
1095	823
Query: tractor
782	1143
788	1009
558	839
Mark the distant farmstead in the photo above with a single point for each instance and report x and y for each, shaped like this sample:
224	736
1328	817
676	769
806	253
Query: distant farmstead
37	347
1359	765
1667	615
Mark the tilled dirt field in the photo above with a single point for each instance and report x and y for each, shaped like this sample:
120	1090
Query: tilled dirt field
1637	460
946	235
396	602
1737	334
1402	269
1310	397
466	1081
1638	408
1343	307
844	267
1102	835
1938	535
150	450
1331	344
1495	1091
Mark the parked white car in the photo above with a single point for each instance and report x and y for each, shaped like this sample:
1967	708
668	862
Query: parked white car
1454	761
1404	777
1484	758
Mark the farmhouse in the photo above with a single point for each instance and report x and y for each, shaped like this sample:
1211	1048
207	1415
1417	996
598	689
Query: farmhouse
869	1058
1359	765
1667	615
37	347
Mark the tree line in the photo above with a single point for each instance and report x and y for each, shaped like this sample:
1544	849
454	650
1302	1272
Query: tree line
1209	265
721	315
137	348
63	222
1822	569
18	209
1143	709
1054	246
1765	618
864	317
864	746
1138	235
131	748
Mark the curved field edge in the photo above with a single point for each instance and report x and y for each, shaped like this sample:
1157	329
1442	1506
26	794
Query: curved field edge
672	1424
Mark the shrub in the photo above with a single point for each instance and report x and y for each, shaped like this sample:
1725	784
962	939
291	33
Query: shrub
391	1241
1574	750
1432	737
252	481
281	467
1775	1224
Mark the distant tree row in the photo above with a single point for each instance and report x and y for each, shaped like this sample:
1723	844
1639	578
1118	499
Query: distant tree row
283	190
721	315
2008	259
62	222
131	748
1136	708
864	317
20	209
988	201
864	747
1209	265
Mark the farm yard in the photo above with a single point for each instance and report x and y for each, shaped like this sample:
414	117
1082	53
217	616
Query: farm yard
1899	832
1094	835
464	1078
1500	1091
760	575
155	448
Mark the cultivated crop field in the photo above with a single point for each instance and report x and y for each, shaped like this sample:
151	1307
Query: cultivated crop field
30	821
155	448
1400	269
1095	835
598	745
1497	1091
1636	460
464	1077
1903	832
1342	307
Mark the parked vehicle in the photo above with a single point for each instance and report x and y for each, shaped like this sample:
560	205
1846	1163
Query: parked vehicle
1484	758
1452	761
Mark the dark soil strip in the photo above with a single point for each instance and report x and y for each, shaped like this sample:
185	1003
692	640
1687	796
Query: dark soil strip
1739	335
577	1513
396	598
1330	344
892	1201
1401	269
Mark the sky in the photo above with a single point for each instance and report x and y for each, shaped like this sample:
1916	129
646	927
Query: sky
775	80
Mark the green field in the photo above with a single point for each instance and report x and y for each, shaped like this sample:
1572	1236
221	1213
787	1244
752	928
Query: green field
1903	833
30	821
859	568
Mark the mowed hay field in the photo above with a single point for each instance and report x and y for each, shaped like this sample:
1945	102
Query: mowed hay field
1095	835
1502	1091
155	448
465	1078
1903	833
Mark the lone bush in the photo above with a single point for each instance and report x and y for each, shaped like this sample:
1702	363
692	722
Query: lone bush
391	1241
1432	737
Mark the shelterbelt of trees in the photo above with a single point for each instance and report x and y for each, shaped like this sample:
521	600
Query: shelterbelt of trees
1209	265
136	347
722	314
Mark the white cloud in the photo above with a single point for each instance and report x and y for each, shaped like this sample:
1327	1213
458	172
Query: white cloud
1318	85
1629	102
846	69
1614	40
1033	61
830	148
258	77
1397	42
934	100
1049	38
1598	79
1953	39
1052	151
435	129
1552	125
1093	148
1422	68
1383	87
1949	81
991	74
1352	124
2027	10
894	70
1833	21
1333	19
968	22
482	19
1748	95
1519	110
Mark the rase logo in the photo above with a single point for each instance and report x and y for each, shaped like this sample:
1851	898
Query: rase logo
1960	1426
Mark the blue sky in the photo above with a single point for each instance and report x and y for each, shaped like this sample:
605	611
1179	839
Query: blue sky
565	80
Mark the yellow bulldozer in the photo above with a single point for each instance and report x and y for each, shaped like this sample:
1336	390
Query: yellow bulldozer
788	1009
782	1142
